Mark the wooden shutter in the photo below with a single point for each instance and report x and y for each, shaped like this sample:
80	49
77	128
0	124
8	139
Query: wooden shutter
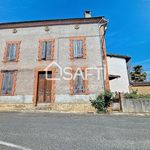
44	48
9	82
79	85
75	48
48	51
9	53
13	51
80	47
4	83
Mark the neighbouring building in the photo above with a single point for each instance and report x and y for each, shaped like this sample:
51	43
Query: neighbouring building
118	72
27	48
140	87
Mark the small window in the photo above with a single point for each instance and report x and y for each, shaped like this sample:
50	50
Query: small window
7	83
79	85
12	51
46	50
78	48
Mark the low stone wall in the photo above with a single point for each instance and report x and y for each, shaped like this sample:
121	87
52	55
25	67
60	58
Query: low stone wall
60	107
136	105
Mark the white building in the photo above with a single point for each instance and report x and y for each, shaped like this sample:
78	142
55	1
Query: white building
118	72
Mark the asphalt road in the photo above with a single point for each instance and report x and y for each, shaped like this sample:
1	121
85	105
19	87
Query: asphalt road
47	131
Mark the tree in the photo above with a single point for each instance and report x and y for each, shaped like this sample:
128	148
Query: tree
137	75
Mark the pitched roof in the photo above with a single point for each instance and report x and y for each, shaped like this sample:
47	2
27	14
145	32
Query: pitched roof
146	83
127	58
38	23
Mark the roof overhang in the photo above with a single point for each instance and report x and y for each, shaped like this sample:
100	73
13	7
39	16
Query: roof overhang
112	77
38	23
140	83
127	58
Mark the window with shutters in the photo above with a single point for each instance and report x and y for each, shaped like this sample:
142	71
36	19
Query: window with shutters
12	51
78	85
77	47
46	50
8	79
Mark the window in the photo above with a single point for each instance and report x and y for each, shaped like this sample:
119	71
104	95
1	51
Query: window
12	51
7	82
78	85
77	47
46	49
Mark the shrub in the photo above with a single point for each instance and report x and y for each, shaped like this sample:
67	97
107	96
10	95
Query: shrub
102	101
135	95
132	95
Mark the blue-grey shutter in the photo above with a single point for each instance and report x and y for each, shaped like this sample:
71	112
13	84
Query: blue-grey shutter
75	48
76	91
12	52
4	83
79	85
48	50
9	52
44	45
9	83
78	48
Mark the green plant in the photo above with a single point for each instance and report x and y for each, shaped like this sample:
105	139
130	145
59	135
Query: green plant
137	75
135	95
132	95
102	101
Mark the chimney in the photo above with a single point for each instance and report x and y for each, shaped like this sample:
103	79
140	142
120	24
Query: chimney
87	14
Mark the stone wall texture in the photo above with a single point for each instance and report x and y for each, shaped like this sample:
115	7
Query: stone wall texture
136	105
141	89
28	59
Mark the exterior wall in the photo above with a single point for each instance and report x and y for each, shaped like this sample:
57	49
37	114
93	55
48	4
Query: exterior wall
118	66
28	59
136	105
141	89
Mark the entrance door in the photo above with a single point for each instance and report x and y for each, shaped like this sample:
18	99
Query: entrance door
44	88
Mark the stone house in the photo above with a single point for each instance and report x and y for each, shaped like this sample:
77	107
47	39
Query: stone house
27	48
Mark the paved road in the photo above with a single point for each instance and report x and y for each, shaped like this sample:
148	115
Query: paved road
46	131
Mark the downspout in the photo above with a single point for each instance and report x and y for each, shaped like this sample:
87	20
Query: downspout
102	32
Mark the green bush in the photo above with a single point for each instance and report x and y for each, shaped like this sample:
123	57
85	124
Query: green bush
135	95
102	101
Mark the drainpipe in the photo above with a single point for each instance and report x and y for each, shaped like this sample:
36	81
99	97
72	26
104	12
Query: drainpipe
102	31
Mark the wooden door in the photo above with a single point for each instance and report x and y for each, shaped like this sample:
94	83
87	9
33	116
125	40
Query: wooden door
44	88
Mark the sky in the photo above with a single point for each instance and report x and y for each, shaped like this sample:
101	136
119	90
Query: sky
128	30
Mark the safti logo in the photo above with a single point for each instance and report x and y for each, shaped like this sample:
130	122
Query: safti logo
66	72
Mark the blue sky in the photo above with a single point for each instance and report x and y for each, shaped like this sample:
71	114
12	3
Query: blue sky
129	21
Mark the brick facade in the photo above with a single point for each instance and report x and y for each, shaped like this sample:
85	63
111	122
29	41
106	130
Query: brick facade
61	37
